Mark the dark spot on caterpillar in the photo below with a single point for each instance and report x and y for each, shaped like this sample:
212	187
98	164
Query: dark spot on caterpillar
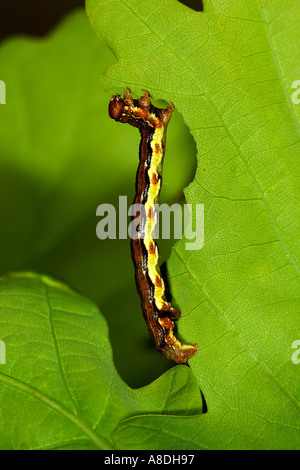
154	178
158	281
152	248
166	307
174	313
166	323
170	339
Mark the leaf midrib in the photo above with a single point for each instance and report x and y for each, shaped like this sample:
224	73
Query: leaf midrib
57	352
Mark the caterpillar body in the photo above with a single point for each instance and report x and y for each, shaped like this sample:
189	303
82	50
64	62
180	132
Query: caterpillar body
159	314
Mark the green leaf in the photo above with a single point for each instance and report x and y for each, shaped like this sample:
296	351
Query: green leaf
229	71
61	157
63	162
59	388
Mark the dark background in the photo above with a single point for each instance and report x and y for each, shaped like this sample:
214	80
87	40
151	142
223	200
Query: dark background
37	17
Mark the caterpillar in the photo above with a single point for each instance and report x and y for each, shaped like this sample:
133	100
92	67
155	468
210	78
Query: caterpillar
159	314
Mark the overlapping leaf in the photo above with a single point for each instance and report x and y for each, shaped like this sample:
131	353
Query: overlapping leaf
60	157
229	71
59	387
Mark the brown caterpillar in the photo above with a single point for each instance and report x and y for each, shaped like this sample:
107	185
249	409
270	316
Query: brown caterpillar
158	312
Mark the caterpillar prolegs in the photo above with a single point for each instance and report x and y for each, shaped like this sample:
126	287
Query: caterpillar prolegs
157	311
